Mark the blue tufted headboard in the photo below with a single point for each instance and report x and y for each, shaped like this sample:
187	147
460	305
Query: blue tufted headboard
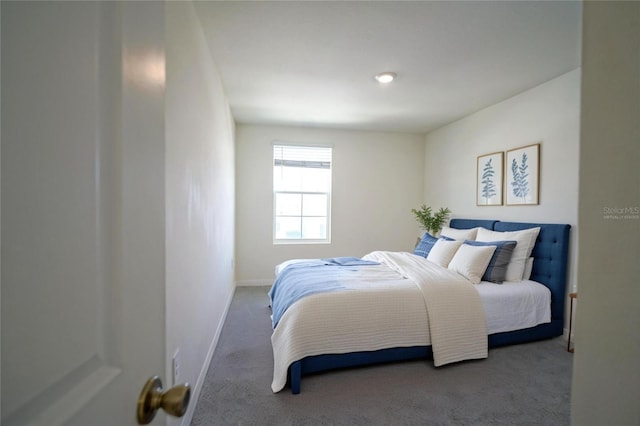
551	257
472	223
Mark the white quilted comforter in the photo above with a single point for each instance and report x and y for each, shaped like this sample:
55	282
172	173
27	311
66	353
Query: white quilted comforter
405	301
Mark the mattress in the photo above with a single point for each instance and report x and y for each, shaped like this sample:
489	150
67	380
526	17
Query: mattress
508	306
514	305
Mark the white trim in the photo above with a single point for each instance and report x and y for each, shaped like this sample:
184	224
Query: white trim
312	145
565	334
195	392
254	283
308	241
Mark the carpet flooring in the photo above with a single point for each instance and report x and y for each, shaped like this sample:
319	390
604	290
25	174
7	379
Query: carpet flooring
526	384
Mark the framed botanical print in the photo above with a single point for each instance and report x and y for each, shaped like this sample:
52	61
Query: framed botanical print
489	179
523	175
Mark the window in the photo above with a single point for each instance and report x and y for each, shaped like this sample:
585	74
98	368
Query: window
301	194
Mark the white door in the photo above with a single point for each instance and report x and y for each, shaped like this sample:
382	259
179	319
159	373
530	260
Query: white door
82	174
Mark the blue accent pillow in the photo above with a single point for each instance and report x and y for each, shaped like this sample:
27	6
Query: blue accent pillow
497	269
426	244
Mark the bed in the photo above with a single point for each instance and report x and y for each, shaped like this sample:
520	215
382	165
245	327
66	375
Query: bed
301	348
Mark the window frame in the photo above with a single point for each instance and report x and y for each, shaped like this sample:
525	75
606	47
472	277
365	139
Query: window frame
275	216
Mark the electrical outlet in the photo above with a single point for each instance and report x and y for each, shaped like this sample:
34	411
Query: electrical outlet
176	367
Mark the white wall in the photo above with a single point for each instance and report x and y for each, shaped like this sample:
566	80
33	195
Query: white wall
548	114
606	377
377	180
199	198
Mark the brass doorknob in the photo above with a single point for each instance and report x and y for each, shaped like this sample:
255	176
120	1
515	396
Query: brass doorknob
174	401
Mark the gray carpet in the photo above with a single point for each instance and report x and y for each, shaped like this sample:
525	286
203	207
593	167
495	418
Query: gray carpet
525	384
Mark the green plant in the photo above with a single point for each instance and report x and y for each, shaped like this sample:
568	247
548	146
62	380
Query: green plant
430	222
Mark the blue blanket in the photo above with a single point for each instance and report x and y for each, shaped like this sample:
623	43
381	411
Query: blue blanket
310	277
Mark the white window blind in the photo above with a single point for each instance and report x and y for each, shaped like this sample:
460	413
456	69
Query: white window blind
301	193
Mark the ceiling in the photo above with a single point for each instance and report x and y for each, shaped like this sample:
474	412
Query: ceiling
308	63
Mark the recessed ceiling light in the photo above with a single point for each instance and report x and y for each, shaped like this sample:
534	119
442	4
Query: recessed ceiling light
385	77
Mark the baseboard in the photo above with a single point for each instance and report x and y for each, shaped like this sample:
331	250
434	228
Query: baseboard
195	391
254	283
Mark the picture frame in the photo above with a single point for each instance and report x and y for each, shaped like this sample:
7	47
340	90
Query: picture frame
489	177
522	185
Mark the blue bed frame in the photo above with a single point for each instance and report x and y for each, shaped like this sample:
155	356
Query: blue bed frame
550	255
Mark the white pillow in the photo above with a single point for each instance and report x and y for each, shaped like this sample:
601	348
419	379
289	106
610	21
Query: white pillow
459	234
528	267
526	239
443	251
471	261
